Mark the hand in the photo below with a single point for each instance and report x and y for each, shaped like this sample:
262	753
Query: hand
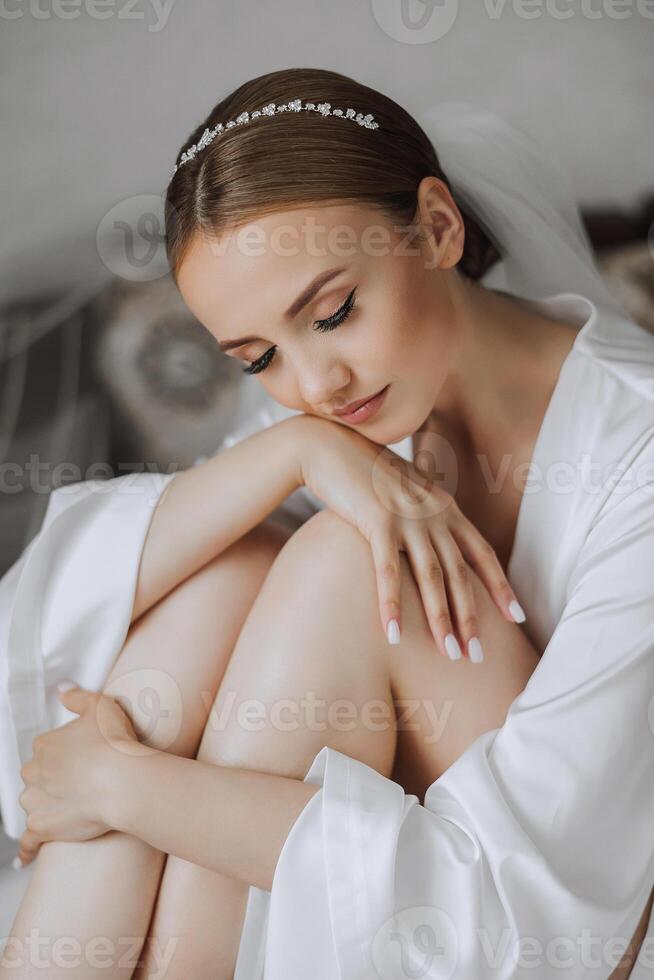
66	779
397	507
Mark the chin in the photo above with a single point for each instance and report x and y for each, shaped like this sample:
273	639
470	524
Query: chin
387	434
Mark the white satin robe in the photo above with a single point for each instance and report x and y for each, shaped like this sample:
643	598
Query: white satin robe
534	852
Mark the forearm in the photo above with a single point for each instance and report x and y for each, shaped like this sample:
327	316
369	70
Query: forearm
204	509
234	821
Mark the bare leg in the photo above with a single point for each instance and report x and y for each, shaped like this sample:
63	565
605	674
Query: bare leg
313	637
107	887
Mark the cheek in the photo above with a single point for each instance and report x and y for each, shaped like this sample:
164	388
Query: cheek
431	328
417	313
414	347
283	389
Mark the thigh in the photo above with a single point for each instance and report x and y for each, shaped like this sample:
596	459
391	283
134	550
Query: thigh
168	671
307	670
312	667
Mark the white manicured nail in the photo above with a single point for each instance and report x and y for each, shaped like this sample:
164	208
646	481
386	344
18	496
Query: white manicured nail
17	864
517	611
65	686
393	632
475	651
452	647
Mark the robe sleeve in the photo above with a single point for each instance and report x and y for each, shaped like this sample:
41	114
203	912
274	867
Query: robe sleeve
65	611
533	854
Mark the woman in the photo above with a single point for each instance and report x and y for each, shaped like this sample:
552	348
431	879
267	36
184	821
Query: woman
532	851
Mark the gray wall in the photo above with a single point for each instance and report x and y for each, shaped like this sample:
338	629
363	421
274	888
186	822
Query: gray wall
94	110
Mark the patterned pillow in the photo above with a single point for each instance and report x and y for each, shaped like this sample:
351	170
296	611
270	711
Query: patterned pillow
174	392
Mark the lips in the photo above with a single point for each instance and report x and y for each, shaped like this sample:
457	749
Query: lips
352	407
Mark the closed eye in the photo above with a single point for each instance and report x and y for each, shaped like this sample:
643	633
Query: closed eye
330	323
337	318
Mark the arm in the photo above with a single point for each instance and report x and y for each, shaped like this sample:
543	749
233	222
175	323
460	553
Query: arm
234	821
204	509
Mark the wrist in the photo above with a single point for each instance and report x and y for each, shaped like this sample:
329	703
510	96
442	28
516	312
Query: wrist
121	780
300	429
308	432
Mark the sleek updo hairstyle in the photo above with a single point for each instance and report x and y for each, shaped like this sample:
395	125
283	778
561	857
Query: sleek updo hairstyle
301	159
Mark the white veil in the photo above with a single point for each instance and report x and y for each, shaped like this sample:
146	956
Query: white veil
526	203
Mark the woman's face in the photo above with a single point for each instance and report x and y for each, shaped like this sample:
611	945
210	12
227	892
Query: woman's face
383	317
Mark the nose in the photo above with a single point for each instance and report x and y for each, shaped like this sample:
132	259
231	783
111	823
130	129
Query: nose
320	382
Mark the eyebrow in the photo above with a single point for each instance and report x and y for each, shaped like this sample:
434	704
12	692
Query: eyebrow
296	306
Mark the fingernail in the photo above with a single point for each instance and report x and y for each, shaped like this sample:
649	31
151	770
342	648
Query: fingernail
517	611
475	651
393	632
17	864
65	686
452	647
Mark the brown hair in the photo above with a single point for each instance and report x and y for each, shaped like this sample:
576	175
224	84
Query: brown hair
271	164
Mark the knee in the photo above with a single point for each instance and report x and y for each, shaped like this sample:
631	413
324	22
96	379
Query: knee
329	550
326	542
252	554
328	561
326	569
148	672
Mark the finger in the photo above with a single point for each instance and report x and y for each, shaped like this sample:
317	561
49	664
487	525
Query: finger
462	600
23	858
428	573
482	557
386	557
76	698
28	771
29	846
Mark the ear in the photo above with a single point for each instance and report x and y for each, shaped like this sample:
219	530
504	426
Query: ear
441	223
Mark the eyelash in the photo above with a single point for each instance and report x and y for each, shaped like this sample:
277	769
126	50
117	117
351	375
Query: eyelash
330	323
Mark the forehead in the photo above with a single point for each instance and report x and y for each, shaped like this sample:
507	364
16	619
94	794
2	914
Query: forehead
264	264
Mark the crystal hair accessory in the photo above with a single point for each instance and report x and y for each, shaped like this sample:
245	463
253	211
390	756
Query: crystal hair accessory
324	108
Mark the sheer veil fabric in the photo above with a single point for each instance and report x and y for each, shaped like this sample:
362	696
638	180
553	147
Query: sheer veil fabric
524	201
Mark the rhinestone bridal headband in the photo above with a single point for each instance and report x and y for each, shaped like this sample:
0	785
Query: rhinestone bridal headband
324	108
